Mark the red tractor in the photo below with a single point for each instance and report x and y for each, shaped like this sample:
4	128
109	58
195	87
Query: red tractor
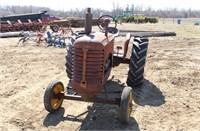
89	60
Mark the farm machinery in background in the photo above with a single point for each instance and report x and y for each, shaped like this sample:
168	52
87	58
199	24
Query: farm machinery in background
89	60
27	22
59	39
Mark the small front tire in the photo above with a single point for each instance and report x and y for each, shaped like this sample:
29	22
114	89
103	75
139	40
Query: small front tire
52	96
126	104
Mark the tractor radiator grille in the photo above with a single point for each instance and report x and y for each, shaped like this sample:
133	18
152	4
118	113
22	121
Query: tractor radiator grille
88	65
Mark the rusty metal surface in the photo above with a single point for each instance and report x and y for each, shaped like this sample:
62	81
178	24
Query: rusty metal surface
128	37
115	101
92	59
19	26
88	22
92	64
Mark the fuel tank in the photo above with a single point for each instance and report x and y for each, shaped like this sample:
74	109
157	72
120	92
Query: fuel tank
93	56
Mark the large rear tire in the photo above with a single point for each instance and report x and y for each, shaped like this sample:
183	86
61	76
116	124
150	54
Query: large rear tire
70	59
137	63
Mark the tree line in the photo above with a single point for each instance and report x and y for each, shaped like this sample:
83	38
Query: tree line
116	10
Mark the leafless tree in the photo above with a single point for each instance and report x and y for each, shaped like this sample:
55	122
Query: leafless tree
117	10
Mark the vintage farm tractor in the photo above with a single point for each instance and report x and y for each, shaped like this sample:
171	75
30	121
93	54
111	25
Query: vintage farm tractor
89	60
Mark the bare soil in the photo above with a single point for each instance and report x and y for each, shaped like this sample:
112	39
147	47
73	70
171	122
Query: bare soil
169	98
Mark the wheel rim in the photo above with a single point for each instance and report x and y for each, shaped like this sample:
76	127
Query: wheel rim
56	99
130	104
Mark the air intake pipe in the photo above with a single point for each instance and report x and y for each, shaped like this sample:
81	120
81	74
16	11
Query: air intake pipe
88	21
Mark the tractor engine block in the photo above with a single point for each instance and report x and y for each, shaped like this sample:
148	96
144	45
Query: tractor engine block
89	62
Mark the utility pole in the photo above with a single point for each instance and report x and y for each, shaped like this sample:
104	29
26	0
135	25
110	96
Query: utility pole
132	9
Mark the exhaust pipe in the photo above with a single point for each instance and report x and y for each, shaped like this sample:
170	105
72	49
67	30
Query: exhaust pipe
88	21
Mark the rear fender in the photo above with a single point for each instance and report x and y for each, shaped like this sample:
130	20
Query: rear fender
128	37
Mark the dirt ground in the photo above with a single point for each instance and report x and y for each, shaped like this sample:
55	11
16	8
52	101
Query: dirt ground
169	98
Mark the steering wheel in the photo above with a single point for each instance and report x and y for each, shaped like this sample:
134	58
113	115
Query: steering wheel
101	24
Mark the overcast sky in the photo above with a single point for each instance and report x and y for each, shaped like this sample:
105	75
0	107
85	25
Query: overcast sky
105	4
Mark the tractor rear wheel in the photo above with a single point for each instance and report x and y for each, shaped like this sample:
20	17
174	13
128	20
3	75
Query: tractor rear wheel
69	60
137	63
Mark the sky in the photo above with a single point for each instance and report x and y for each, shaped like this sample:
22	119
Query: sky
105	4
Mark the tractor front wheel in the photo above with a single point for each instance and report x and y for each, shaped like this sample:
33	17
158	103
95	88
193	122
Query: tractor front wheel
52	96
126	104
